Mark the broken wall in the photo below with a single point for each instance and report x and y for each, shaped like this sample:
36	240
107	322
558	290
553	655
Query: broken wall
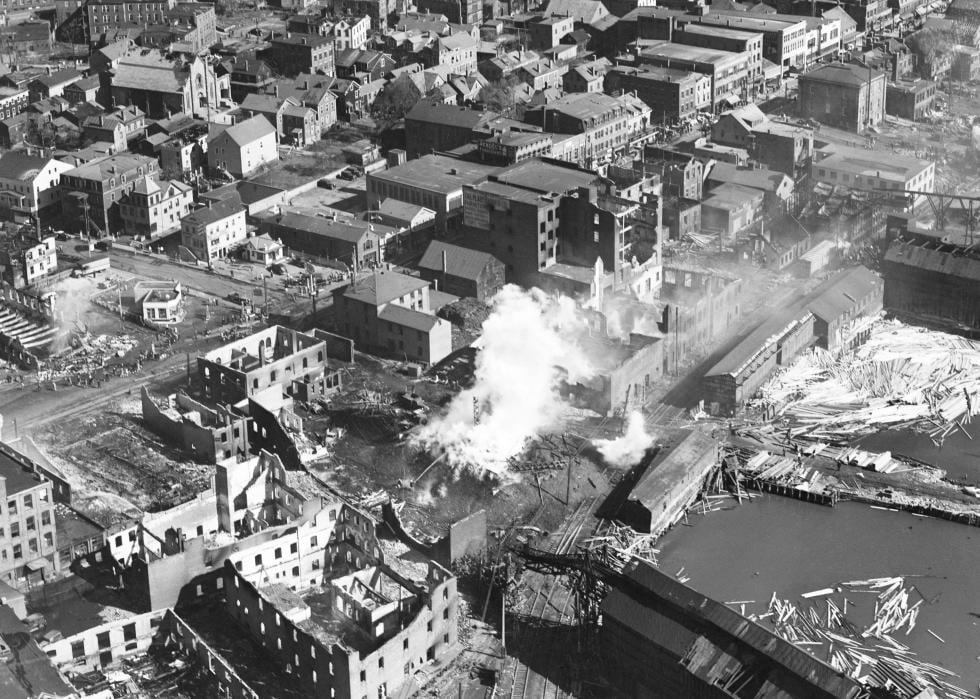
96	647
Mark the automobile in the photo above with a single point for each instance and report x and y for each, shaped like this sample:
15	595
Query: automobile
103	245
346	175
61	236
235	297
326	184
277	268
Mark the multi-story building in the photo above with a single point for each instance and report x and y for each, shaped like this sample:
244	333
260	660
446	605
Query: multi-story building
725	39
249	75
391	313
439	127
108	16
931	281
350	33
511	147
27	520
274	357
294	123
215	229
672	95
308	91
876	171
26	39
29	187
910	99
95	189
729	72
844	96
243	148
52	84
13	101
433	181
966	63
607	124
155	208
118	127
25	261
302	53
784	40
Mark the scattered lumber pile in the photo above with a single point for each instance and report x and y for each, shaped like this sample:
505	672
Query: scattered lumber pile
903	377
871	654
622	544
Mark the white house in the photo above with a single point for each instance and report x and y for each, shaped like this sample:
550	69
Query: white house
29	185
243	148
216	228
264	249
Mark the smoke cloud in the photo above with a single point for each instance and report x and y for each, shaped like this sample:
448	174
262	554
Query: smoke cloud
529	348
629	448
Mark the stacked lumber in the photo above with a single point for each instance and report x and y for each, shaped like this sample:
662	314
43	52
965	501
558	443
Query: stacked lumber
903	377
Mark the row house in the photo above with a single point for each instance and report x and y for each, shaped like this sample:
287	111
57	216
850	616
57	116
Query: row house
311	91
214	230
607	124
155	208
672	95
302	53
13	101
97	188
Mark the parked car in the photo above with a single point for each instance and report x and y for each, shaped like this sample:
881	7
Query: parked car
235	297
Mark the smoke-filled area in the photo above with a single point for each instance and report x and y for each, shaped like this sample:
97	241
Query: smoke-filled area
530	345
624	317
72	307
629	448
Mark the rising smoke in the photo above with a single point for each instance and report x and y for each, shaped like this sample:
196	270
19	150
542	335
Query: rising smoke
529	348
629	448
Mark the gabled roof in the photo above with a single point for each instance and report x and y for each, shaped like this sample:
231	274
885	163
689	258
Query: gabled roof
465	263
60	77
839	294
383	287
409	317
249	131
585	11
17	165
263	243
401	210
216	211
150	72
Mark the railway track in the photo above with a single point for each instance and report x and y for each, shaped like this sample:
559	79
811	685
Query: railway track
550	607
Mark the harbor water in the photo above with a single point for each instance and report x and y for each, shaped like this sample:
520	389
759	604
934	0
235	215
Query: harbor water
959	455
776	544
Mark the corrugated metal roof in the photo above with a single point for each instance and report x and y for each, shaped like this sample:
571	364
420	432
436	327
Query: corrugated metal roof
942	261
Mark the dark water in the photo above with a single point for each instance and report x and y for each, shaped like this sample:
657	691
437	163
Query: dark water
783	545
959	455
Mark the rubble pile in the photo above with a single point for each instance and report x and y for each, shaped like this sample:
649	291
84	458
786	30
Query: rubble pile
903	377
870	653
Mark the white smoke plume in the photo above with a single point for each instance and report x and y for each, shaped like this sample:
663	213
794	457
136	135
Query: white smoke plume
529	347
629	448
